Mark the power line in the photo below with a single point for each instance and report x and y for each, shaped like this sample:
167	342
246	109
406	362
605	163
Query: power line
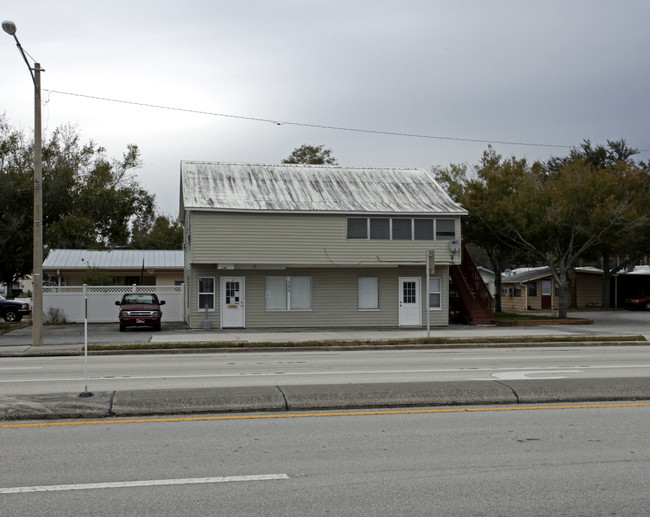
314	126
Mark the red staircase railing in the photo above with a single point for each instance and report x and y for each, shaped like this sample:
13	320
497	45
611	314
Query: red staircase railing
474	294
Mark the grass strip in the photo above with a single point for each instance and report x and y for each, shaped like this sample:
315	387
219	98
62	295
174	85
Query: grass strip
368	343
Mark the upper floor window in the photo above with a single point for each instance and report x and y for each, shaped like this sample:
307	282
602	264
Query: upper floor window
401	229
445	229
357	227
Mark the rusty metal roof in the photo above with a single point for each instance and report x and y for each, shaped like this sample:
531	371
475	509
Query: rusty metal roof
232	187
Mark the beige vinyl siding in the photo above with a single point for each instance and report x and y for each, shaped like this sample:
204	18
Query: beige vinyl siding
334	297
510	302
534	302
299	239
589	290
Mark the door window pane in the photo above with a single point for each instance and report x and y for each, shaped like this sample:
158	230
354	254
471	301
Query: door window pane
408	292
368	293
402	229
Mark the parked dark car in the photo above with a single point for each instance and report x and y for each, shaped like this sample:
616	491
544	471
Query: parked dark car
641	303
13	311
140	310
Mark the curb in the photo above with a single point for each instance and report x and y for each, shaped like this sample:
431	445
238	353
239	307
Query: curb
319	397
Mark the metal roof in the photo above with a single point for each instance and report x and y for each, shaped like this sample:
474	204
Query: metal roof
523	275
114	259
232	187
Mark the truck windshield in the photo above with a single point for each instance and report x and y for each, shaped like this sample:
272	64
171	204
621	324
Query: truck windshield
132	299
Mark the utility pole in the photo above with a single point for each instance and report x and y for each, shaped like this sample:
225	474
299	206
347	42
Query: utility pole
37	271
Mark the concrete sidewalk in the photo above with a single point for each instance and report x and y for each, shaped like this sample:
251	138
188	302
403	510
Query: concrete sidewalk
69	339
322	398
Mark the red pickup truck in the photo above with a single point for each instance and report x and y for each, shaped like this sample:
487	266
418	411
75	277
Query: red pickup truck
140	310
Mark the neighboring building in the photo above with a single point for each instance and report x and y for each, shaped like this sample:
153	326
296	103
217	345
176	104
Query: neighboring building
22	287
125	267
630	284
488	278
535	289
315	246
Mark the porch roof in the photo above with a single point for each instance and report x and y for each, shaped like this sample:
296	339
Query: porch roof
114	259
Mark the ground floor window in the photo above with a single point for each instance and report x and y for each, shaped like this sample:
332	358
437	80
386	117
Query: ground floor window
288	293
368	293
206	292
435	292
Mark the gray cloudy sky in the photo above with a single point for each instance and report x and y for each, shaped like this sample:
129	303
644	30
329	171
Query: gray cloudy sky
541	72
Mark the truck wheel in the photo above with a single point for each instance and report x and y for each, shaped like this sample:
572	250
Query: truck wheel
11	316
122	328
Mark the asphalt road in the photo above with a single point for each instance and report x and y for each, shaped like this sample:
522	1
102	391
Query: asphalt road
495	461
35	375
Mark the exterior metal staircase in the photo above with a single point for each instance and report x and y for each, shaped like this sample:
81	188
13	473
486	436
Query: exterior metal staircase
475	297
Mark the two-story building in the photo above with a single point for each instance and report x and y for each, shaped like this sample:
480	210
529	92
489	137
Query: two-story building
315	246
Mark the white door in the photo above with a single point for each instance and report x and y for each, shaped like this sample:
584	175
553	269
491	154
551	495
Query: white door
410	312
233	312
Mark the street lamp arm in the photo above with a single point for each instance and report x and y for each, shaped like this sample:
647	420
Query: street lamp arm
10	28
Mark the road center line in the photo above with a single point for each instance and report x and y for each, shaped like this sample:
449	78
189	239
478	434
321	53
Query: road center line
323	414
132	484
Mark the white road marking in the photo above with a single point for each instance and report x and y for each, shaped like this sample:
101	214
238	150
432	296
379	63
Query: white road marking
526	375
131	484
23	368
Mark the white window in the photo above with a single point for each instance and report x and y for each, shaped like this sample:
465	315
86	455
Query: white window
288	293
435	293
368	294
206	292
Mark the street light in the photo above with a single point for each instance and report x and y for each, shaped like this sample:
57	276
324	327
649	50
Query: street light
37	276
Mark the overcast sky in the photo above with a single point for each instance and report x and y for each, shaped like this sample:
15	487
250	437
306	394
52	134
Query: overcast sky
550	72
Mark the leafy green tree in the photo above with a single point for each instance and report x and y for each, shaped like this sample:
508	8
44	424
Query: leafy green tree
629	184
485	192
311	154
96	276
560	217
89	201
16	202
161	234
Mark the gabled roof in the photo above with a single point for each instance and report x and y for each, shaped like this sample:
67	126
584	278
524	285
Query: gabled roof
114	259
229	187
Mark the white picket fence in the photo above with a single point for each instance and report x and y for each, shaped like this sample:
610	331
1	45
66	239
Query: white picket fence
101	301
